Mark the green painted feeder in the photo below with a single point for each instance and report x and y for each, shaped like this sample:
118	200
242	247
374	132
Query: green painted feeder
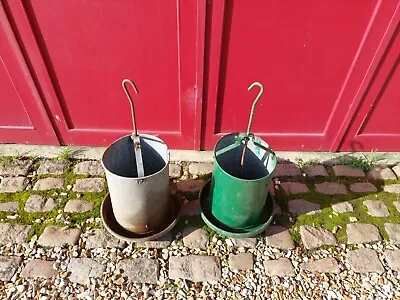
236	202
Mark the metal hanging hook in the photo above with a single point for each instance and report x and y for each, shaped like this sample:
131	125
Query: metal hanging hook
131	102
254	103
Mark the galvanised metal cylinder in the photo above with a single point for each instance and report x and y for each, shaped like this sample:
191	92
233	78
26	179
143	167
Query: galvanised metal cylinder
140	204
238	193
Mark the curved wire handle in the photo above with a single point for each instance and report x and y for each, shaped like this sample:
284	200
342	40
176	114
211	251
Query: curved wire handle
254	103
131	102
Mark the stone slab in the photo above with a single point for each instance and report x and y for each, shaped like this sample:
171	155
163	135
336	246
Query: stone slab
392	188
175	170
16	167
161	243
281	267
376	208
288	169
358	258
396	169
13	184
242	261
48	184
100	238
316	170
196	238
292	188
382	174
190	186
192	208
9	206
363	187
89	185
200	168
53	236
78	206
348	171
197	268
82	269
393	231
331	188
342	207
8	266
54	167
313	237
37	203
278	237
393	259
38	268
324	265
301	207
89	167
245	242
13	233
397	205
360	233
142	270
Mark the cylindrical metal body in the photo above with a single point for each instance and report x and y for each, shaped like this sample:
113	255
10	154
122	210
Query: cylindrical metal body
238	195
139	204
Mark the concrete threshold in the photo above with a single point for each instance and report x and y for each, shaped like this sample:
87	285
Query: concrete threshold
83	152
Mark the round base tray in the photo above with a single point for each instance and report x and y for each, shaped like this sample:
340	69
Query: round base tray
217	226
112	226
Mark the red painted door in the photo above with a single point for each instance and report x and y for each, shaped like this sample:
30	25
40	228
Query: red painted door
82	50
311	56
23	118
375	125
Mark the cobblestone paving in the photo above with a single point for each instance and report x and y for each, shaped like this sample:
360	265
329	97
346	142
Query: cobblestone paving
53	244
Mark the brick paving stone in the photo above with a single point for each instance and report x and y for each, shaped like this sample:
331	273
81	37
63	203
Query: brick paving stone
13	184
13	233
300	206
393	231
313	237
90	167
277	209
16	167
175	170
191	186
376	208
397	205
341	170
192	208
279	237
197	268
38	268
342	207
161	243
242	261
37	203
54	167
100	238
9	206
382	174
393	259
78	206
324	265
363	187
281	267
392	188
200	168
289	169
396	169
316	170
82	269
360	233
141	270
195	238
292	188
365	261
245	242
331	188
48	183
8	267
89	185
53	236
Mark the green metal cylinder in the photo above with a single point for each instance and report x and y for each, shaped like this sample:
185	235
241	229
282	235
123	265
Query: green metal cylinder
238	194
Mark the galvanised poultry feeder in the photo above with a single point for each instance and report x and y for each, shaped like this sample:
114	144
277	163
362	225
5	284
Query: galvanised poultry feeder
235	202
139	206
